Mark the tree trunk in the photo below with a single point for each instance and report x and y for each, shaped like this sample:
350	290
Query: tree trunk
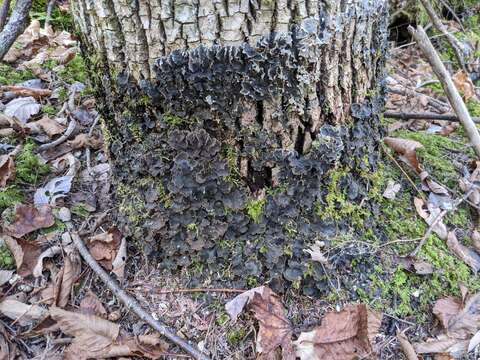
240	131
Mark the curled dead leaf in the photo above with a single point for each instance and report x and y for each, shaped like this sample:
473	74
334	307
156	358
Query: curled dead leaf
343	335
430	214
24	252
467	255
464	84
275	330
7	169
94	337
104	247
406	149
29	218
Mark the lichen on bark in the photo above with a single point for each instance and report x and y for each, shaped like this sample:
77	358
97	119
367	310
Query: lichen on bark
214	107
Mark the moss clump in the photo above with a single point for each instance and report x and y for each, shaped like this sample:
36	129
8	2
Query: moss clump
10	196
235	336
173	120
49	110
29	168
254	209
75	70
132	204
10	75
80	209
6	258
473	107
231	155
436	156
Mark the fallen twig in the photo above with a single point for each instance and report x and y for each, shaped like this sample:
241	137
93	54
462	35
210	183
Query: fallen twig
458	49
439	218
435	103
131	303
71	127
450	90
425	116
407	348
87	150
15	25
26	91
176	291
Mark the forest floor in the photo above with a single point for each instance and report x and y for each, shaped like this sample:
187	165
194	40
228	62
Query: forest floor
54	180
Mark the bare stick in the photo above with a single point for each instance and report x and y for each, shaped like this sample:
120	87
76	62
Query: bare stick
439	217
71	127
174	291
4	13
131	303
458	49
15	26
406	346
450	90
425	116
50	6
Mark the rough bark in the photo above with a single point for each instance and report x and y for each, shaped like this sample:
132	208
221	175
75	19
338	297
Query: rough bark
15	25
228	122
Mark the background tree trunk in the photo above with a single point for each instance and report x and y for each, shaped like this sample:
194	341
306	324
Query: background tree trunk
232	123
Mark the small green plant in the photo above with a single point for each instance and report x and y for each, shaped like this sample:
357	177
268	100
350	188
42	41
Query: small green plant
222	319
173	120
10	196
255	209
234	336
6	258
10	75
49	110
29	168
80	209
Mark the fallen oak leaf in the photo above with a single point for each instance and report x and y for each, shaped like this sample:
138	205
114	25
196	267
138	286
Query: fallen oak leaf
275	329
406	149
91	305
46	125
431	216
23	314
84	140
29	218
467	255
22	108
104	247
94	337
24	252
344	335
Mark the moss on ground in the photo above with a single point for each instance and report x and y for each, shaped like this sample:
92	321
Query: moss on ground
254	208
9	75
7	261
9	196
438	154
29	167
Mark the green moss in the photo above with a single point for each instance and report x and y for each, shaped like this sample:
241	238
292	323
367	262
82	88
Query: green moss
222	319
75	70
173	120
7	261
235	336
10	196
231	155
473	107
57	226
80	209
436	156
49	110
135	131
254	209
132	203
29	168
9	75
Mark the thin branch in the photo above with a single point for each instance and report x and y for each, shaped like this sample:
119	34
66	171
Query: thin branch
71	127
4	13
15	25
425	116
458	48
196	290
450	90
50	6
131	303
439	218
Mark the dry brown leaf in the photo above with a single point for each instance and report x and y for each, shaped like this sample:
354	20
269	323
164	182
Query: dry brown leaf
406	149
83	140
275	330
46	125
467	255
344	335
429	213
406	346
91	305
69	275
24	252
7	169
429	185
29	218
476	240
464	84
235	306
444	345
23	314
445	309
104	247
97	338
415	265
